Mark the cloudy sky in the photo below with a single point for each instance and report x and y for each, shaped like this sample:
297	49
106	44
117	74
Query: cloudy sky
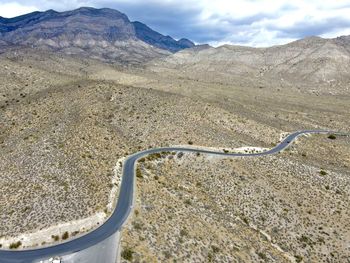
244	22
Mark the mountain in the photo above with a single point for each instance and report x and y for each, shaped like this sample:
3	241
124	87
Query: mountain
310	64
152	37
105	34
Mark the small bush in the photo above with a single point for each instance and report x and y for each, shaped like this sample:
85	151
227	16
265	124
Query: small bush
183	232
245	220
306	240
298	258
127	254
167	254
137	225
55	237
215	249
188	202
332	137
138	173
323	173
154	156
75	233
262	256
65	235
15	245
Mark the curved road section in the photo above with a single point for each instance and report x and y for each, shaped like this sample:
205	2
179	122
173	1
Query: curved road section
125	205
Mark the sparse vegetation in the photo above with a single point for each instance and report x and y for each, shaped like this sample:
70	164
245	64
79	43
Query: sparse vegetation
57	111
243	192
262	256
15	245
65	235
55	237
298	258
188	202
323	173
138	173
127	254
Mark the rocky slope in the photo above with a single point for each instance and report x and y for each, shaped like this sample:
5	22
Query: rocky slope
312	64
105	34
152	37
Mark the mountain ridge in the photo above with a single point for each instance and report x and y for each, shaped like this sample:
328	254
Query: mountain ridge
152	37
311	64
105	34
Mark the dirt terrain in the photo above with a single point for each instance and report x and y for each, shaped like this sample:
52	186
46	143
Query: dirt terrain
61	135
289	207
65	121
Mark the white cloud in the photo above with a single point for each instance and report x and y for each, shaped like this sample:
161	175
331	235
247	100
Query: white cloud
272	17
244	22
15	9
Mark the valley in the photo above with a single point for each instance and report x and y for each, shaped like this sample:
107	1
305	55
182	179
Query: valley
74	106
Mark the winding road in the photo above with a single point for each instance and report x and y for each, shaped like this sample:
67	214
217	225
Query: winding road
125	204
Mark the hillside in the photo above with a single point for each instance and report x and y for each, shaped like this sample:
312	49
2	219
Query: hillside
310	65
104	34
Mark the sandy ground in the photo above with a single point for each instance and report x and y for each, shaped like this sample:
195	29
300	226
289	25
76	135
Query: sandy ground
44	236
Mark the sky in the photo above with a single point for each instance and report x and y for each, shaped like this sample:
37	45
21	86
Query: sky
257	23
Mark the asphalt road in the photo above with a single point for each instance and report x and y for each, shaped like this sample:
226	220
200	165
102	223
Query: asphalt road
124	206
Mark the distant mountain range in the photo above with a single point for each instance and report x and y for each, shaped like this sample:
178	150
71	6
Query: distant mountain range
313	63
105	34
108	35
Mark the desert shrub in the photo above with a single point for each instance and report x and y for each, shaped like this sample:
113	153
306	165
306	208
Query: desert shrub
245	220
215	249
65	235
332	137
55	237
323	173
139	173
298	258
183	232
262	256
15	245
127	254
137	225
188	202
154	156
305	240
167	254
